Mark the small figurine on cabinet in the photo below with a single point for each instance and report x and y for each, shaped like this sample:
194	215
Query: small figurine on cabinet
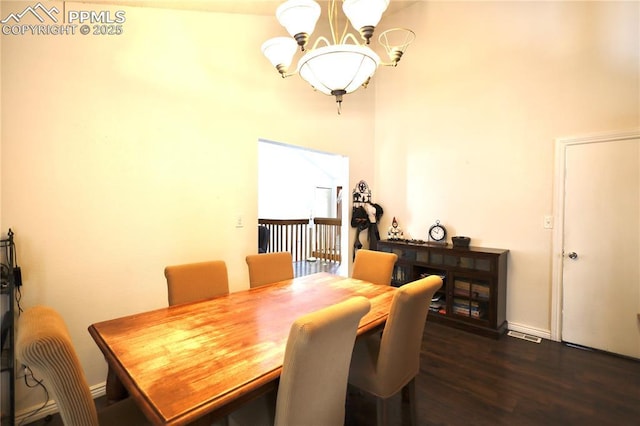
395	232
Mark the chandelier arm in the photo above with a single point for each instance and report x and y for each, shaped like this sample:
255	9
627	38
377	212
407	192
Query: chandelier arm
318	40
333	20
345	31
352	37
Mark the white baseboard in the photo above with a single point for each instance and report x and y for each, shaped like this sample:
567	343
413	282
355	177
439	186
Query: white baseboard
538	332
52	407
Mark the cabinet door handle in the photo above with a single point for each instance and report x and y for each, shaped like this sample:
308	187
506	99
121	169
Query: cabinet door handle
573	255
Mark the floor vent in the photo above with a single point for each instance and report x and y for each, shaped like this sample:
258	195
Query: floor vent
523	336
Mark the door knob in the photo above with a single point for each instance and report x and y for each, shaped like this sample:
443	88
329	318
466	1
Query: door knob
573	255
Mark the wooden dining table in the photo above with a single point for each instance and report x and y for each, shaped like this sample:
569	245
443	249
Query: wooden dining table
206	358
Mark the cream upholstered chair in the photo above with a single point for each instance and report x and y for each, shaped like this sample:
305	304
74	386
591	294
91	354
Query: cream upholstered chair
374	266
267	268
384	365
196	281
44	345
313	382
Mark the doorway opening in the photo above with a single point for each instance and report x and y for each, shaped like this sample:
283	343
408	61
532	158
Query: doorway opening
302	185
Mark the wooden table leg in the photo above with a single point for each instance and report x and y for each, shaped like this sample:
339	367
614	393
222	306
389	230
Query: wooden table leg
114	389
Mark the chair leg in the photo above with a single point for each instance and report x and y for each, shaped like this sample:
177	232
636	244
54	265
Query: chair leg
383	407
382	411
409	398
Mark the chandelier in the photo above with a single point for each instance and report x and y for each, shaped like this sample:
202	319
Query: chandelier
341	64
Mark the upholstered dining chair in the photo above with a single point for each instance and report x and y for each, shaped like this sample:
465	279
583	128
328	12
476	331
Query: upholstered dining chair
263	238
267	268
383	365
374	266
43	343
313	382
196	281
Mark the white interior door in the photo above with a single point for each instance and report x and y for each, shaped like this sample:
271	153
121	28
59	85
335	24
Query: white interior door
601	256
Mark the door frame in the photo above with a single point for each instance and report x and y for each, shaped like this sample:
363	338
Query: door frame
557	264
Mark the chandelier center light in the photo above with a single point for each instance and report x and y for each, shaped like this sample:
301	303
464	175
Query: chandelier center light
342	63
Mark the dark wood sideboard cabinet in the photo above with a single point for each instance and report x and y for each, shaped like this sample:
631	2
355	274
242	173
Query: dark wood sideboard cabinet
474	290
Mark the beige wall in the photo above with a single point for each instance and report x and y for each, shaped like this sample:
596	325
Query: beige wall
482	95
123	154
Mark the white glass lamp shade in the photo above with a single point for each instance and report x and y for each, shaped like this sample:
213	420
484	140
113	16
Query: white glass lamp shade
364	13
279	51
339	67
298	16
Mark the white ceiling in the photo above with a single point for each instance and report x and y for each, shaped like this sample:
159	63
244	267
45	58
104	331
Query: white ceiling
248	7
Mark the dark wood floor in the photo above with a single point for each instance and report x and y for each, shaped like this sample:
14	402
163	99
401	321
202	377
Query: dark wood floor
472	380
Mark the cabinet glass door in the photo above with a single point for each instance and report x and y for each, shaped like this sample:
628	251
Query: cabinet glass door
401	275
471	298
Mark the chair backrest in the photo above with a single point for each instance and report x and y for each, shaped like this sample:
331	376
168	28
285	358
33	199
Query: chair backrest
267	268
399	357
374	266
43	344
263	239
313	383
196	281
